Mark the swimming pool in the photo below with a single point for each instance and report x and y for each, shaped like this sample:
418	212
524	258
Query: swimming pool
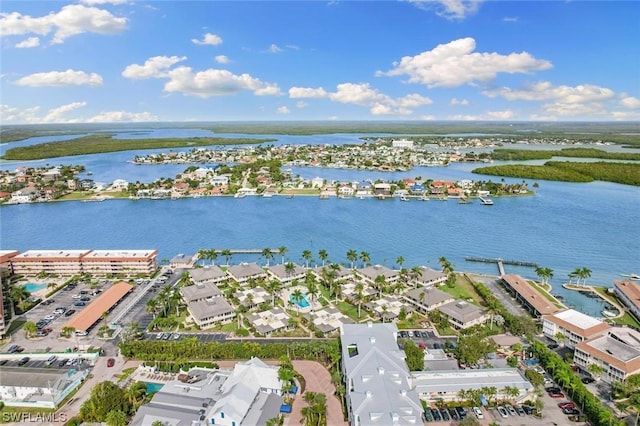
302	302
32	287
153	387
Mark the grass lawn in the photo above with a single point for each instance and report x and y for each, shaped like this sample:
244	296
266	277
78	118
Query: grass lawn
446	331
76	195
301	191
628	319
351	311
462	290
15	326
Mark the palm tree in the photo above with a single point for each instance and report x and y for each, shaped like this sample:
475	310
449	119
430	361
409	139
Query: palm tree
400	261
415	274
136	393
272	287
266	253
313	290
297	296
152	306
213	255
359	297
281	251
67	331
306	255
30	328
289	267
323	255
18	293
227	255
352	256
380	283
364	256
203	254
447	267
585	273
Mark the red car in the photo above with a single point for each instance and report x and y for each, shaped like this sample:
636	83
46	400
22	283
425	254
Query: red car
569	405
556	395
111	362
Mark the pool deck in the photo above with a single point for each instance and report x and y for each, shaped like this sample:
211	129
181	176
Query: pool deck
287	292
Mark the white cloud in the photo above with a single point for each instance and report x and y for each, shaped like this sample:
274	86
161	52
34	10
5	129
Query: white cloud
71	20
15	115
626	115
222	59
510	19
94	2
455	63
56	115
487	116
284	110
216	82
428	117
630	102
28	43
307	92
208	39
462	102
154	67
545	90
363	95
301	104
61	78
449	9
274	49
113	116
575	110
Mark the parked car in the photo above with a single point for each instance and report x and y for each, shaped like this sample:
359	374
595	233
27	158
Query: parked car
462	413
578	418
478	412
3	361
587	380
111	362
427	415
570	411
79	304
76	296
510	409
23	361
453	413
527	409
62	362
69	312
51	360
48	302
12	349
445	414
519	410
436	415
556	394
553	389
564	405
502	411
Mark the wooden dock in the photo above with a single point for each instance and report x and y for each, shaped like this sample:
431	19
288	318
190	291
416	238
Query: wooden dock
501	262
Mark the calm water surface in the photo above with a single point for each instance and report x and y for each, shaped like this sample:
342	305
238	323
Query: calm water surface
564	226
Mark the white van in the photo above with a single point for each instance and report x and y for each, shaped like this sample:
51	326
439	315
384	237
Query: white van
51	360
81	333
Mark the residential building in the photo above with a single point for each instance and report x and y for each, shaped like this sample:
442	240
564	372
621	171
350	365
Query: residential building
617	352
252	297
462	314
243	272
387	308
433	386
55	262
45	388
125	262
629	294
269	321
250	394
5	260
197	292
370	273
348	291
402	143
209	312
376	377
286	275
574	326
207	275
327	320
426	299
182	261
340	273
530	298
25	195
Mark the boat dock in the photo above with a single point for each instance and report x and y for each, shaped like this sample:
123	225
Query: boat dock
501	262
245	251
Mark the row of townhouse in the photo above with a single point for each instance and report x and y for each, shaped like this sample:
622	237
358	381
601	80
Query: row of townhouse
75	262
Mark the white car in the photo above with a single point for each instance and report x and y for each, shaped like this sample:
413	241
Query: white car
478	412
511	410
77	296
50	317
502	411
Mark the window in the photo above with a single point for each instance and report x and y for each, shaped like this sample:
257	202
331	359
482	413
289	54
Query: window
222	415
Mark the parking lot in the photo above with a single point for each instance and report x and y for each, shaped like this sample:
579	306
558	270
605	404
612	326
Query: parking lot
30	365
428	338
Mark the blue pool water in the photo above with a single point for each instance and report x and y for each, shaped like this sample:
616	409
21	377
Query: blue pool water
153	387
31	287
302	302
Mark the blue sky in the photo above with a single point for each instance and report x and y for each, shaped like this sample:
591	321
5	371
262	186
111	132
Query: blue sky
124	60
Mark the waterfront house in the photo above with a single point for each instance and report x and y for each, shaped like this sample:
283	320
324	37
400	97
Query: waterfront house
243	272
286	276
346	190
417	189
574	326
382	189
429	277
426	299
119	185
219	180
348	291
252	297
462	314
25	195
197	292
182	261
388	307
327	320
210	274
370	273
317	182
340	273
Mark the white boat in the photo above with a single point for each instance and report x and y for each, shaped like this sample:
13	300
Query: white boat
486	201
631	276
424	198
240	195
609	314
267	194
404	198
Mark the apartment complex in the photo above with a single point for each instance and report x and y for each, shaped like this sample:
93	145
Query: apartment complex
574	326
376	377
617	352
629	293
75	262
527	296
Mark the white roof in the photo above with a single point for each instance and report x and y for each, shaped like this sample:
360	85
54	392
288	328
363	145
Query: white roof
62	254
120	253
578	318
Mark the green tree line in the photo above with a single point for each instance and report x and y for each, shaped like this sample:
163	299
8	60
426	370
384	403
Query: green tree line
569	171
96	144
531	154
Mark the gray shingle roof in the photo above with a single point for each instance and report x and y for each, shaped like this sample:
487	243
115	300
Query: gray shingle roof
245	270
196	292
432	296
462	311
209	308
